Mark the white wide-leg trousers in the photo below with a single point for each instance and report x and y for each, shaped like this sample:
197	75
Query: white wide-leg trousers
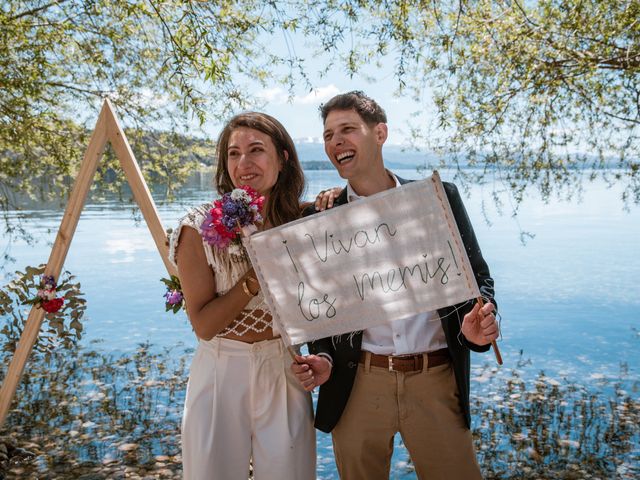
244	402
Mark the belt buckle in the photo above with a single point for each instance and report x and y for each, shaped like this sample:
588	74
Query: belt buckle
391	365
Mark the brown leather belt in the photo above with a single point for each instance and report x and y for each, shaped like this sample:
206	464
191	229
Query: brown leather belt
406	363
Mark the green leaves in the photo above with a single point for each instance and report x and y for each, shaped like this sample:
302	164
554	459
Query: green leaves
162	64
528	84
544	89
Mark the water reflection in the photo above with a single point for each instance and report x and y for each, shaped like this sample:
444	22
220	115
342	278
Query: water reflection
568	299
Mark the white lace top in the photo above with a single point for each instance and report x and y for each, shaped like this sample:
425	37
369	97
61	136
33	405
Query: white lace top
228	267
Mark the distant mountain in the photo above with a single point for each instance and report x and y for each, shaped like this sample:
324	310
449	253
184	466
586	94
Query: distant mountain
312	156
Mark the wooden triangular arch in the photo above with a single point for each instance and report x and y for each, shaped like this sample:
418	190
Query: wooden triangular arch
107	129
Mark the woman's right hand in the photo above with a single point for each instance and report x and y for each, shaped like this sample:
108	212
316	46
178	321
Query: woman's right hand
250	283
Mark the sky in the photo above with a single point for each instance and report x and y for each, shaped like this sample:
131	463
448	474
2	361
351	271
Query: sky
300	115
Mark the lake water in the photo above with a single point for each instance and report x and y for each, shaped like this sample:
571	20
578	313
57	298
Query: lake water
569	298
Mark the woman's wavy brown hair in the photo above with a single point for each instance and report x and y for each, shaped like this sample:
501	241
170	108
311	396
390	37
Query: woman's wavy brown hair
283	204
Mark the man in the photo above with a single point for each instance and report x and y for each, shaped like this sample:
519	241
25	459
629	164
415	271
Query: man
410	376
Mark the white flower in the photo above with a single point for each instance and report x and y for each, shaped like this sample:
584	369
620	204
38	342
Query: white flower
249	229
234	249
240	194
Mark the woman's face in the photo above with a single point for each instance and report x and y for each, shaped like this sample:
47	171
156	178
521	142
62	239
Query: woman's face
252	160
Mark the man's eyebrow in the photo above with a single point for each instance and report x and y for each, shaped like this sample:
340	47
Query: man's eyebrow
346	123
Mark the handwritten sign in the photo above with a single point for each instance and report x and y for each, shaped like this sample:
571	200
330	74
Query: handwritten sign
364	264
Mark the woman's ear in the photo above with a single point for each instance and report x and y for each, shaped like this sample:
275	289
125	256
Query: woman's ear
286	158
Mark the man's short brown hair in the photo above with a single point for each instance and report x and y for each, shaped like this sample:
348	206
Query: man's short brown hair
366	107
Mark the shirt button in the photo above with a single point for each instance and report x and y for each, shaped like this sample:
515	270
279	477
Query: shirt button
397	335
351	364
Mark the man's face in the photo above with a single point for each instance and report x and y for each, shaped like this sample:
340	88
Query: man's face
352	145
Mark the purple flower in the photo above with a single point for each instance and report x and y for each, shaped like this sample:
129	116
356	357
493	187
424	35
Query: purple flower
48	282
173	297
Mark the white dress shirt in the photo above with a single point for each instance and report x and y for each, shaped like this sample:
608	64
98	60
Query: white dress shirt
415	334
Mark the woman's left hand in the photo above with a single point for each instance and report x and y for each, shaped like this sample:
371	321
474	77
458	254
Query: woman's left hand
326	198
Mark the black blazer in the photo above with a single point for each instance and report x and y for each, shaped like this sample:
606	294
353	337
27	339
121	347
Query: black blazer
345	350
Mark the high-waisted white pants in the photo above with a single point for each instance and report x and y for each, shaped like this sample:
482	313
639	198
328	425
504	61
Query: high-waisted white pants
244	402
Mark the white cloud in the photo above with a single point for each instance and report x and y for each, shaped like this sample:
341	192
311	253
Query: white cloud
317	95
275	95
149	98
279	96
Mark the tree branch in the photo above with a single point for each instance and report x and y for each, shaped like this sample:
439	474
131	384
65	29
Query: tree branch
98	93
33	11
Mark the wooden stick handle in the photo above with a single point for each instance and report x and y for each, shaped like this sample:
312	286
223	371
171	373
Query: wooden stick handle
292	352
496	350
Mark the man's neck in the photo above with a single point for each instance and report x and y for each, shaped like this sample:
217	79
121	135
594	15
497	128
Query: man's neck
372	184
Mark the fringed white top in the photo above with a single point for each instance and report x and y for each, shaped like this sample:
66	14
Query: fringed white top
228	267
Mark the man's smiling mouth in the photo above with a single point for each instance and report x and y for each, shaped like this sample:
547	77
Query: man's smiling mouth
345	156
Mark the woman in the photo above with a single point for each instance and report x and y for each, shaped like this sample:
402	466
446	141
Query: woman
242	400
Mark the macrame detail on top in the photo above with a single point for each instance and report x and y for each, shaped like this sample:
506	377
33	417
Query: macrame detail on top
228	267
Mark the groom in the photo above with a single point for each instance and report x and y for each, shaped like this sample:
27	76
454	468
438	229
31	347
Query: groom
410	376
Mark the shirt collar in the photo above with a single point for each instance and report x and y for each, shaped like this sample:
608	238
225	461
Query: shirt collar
352	195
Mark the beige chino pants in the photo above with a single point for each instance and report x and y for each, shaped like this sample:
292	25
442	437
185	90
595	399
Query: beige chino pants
423	407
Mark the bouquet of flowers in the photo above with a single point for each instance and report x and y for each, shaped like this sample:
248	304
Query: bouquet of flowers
46	296
174	300
236	211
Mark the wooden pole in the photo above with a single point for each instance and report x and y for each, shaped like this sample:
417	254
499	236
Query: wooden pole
435	178
494	344
56	259
138	186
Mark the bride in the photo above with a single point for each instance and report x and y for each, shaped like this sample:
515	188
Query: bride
243	402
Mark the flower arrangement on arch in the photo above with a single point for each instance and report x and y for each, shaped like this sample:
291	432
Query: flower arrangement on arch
63	303
238	210
46	296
